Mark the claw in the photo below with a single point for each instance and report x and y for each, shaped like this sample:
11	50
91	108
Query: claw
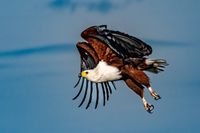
158	97
155	95
149	108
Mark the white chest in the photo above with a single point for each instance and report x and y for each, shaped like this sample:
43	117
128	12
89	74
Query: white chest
104	72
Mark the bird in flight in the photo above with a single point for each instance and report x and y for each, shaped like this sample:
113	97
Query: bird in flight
109	56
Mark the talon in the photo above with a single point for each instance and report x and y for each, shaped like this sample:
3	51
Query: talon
149	108
155	96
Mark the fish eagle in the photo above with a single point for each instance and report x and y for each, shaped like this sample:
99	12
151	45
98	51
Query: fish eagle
109	56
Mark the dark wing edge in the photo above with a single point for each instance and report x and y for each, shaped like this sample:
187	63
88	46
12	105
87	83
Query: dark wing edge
89	60
129	46
122	44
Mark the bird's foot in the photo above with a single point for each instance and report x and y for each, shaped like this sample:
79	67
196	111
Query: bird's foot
148	107
155	95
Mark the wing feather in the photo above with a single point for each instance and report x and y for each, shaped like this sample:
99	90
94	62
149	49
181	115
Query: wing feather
123	44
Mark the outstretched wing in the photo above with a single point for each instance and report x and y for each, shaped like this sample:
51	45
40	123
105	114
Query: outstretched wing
123	44
89	60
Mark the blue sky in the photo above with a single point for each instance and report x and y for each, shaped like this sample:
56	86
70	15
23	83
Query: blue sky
39	65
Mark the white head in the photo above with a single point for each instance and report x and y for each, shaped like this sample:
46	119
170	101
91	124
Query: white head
89	74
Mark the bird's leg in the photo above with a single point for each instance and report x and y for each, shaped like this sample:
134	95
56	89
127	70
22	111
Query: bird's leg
141	78
153	93
148	107
138	89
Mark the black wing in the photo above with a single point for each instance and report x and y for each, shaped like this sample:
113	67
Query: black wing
123	44
88	62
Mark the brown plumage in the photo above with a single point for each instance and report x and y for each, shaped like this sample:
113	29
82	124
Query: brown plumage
115	48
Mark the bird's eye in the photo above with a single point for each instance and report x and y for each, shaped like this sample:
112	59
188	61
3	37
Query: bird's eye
86	72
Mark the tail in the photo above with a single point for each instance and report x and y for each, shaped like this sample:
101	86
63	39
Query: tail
155	66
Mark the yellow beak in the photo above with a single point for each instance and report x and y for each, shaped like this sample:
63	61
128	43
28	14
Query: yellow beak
83	74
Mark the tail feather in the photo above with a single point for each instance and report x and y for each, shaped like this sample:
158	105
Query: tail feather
151	65
155	66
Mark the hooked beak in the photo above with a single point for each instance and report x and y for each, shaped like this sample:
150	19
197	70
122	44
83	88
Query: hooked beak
83	74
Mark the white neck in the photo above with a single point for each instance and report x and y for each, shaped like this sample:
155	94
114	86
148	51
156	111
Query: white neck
103	72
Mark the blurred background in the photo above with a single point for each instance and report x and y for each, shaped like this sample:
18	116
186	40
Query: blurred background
39	65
